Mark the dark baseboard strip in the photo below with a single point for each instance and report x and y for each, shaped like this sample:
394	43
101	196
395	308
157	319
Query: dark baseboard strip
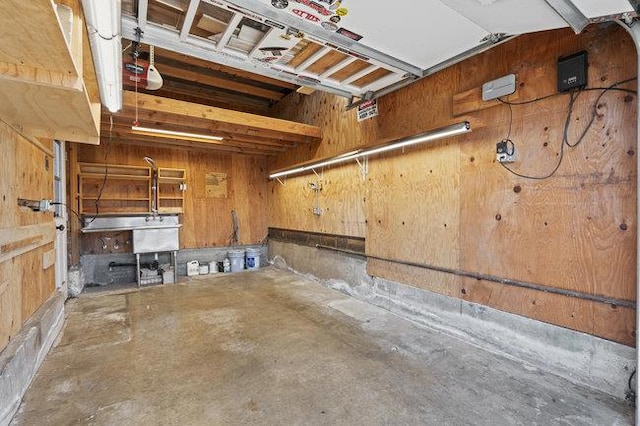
311	239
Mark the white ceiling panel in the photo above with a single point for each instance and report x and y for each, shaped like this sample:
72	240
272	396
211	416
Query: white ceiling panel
508	16
423	33
597	8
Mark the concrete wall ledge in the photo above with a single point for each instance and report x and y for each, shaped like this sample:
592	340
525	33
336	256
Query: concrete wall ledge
22	357
576	356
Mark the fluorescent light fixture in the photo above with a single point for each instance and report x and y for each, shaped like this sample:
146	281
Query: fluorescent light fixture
443	132
103	21
172	133
570	13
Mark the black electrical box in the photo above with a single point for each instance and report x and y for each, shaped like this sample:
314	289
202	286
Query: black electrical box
572	72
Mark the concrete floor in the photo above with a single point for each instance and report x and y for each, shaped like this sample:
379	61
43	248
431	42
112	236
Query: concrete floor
268	347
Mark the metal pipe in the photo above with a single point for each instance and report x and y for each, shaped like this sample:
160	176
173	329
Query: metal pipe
154	185
633	28
493	278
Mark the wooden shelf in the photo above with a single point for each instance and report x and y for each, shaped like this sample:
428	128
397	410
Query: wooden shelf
127	189
171	210
114	199
114	169
114	177
170	190
50	77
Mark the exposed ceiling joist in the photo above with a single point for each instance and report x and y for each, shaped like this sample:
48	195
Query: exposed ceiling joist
207	96
210	80
189	145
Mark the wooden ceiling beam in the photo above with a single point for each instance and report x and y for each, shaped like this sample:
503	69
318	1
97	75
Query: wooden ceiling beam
127	133
203	125
220	119
123	124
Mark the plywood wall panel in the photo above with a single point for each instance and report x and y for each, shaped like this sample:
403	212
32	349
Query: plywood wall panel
10	303
342	200
206	220
26	172
37	282
421	224
249	190
574	231
343	196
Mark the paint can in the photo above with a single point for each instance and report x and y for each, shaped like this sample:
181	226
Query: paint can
236	257
193	267
253	258
204	269
213	267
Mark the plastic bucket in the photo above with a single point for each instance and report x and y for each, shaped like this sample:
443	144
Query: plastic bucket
253	258
204	269
236	257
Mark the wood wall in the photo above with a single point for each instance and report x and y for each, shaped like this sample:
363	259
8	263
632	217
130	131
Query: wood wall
26	237
449	204
344	192
206	220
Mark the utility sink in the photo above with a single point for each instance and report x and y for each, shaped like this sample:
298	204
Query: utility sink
130	223
151	233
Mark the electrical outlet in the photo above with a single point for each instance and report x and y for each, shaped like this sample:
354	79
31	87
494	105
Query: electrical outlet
505	152
317	211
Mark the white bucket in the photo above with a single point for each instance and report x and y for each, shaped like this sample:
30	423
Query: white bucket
204	269
193	268
253	258
236	257
213	267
